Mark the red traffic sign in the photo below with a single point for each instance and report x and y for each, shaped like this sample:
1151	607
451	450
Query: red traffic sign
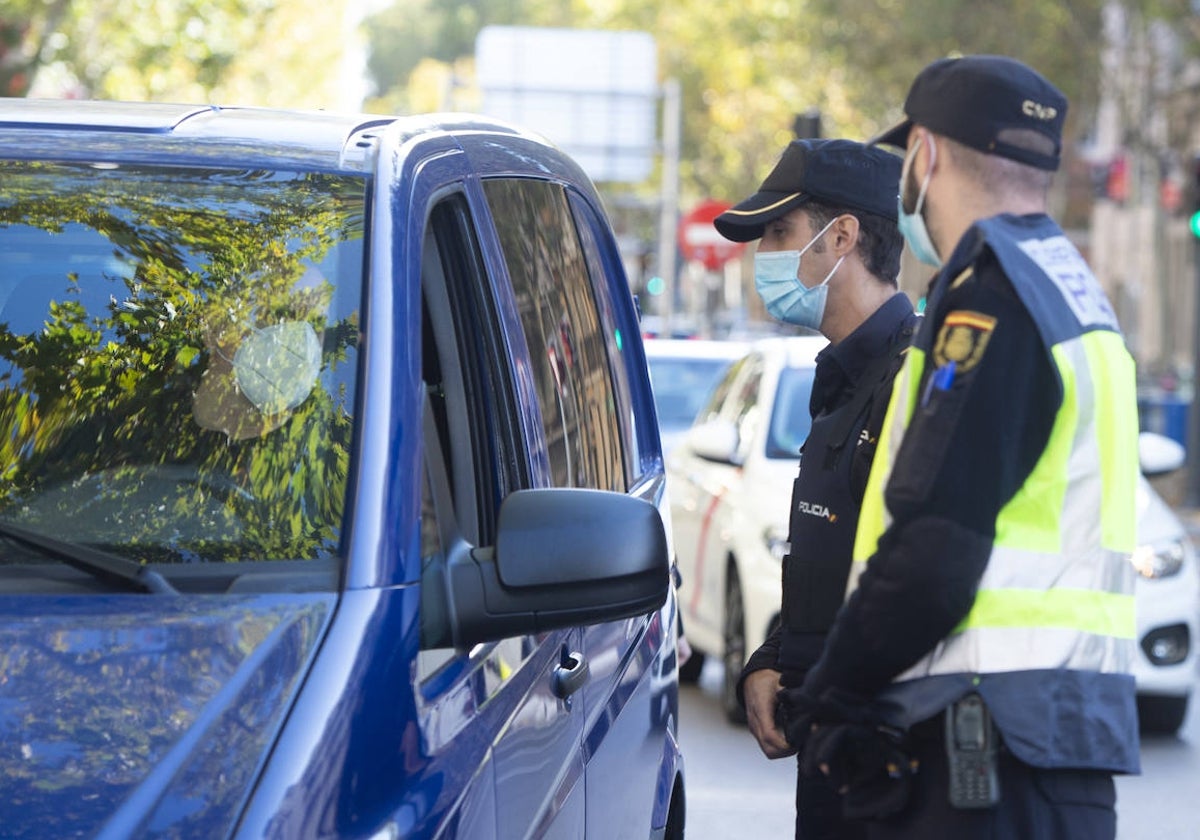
699	240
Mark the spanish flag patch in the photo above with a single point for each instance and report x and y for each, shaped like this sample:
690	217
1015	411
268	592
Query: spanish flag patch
962	339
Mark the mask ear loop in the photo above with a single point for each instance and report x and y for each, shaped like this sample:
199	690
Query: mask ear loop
832	271
837	264
819	235
928	172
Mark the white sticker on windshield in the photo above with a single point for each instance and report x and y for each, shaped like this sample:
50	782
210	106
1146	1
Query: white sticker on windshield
277	366
1064	265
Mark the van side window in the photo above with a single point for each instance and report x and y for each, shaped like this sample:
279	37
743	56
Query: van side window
563	331
605	267
473	452
466	378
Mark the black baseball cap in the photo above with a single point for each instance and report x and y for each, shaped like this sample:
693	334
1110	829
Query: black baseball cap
974	98
841	173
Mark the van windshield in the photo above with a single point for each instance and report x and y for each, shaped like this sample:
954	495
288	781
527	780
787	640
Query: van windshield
177	360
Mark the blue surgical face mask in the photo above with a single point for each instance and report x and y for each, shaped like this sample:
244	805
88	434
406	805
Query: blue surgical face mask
912	225
777	278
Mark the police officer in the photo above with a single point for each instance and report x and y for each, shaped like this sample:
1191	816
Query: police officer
990	613
827	260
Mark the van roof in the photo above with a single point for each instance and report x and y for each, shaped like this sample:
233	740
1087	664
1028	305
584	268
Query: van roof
210	134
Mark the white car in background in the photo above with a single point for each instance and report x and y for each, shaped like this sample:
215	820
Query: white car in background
730	484
683	373
1167	595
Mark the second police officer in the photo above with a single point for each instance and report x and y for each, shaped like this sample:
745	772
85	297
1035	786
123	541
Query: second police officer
976	681
827	260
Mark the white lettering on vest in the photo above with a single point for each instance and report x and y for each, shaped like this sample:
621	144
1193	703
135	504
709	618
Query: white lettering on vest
820	511
1063	264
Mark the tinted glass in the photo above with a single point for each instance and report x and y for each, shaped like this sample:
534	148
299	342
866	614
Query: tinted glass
563	331
178	358
790	417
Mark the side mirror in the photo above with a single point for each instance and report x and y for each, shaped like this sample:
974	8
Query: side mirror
1158	454
716	440
563	557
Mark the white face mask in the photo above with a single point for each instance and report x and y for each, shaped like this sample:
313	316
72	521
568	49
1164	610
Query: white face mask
912	225
777	278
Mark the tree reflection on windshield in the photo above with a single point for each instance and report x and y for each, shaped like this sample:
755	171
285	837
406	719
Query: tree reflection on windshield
177	358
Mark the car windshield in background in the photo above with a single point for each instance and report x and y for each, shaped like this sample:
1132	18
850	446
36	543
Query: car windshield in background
682	386
790	417
178	359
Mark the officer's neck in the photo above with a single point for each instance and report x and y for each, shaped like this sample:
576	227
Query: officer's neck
959	203
855	300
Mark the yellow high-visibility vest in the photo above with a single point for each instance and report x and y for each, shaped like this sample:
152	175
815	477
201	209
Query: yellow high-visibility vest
1057	592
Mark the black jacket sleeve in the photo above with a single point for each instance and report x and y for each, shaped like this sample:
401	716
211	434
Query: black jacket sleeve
966	452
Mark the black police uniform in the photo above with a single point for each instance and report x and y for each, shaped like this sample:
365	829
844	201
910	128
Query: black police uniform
922	582
849	397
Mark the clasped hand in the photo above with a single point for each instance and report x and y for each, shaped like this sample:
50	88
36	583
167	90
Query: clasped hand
839	736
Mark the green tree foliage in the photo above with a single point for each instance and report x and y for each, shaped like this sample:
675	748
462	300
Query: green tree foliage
404	34
270	52
411	40
745	70
748	68
26	27
884	43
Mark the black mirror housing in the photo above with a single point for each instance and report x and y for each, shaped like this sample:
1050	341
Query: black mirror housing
563	557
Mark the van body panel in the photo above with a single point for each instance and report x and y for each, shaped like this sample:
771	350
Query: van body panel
150	714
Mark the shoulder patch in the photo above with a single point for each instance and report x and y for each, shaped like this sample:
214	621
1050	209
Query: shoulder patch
962	339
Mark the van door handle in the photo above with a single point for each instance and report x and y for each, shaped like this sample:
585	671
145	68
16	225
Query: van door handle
570	675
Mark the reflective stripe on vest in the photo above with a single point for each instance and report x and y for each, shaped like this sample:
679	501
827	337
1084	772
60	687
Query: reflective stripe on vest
1057	591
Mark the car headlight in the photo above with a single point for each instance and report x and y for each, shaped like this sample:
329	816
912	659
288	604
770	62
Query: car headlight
777	542
1159	561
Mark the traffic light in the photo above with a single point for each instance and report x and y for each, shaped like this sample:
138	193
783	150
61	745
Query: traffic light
14	70
807	125
1192	193
1116	187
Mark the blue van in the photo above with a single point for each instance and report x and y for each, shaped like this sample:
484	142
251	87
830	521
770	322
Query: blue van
331	497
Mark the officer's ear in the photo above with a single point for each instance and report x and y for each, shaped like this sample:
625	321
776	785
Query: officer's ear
844	234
